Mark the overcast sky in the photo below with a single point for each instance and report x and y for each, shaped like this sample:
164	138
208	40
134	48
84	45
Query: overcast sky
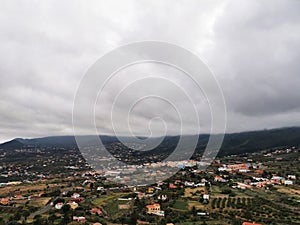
251	46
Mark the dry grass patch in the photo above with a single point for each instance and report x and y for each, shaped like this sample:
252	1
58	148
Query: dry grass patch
288	190
190	191
22	189
39	202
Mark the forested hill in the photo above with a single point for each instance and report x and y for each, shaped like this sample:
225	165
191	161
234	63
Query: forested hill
234	143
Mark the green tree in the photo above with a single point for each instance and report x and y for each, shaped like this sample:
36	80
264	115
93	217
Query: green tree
25	214
65	209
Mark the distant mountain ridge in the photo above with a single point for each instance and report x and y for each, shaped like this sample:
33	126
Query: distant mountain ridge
234	143
51	141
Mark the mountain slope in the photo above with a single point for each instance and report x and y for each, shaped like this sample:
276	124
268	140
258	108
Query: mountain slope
259	140
13	144
235	143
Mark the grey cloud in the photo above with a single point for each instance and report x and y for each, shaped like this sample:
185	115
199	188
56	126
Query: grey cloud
256	55
251	46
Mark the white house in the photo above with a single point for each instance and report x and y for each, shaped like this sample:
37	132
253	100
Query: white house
206	197
59	205
200	185
292	177
219	179
75	195
189	184
163	197
100	188
221	169
288	182
79	219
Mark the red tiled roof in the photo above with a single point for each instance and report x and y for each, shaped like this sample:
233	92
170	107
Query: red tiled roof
96	210
172	186
153	206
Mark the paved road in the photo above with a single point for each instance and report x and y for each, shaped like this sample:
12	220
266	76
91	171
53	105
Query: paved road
47	207
43	210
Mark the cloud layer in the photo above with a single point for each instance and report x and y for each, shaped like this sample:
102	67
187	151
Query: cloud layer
46	47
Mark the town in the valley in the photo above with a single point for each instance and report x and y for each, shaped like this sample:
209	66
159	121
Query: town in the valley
253	188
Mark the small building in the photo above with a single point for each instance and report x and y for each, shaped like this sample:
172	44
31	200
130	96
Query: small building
5	201
219	179
189	184
80	219
96	211
200	184
244	170
65	193
155	208
100	188
202	214
73	205
243	186
237	167
292	177
18	196
162	197
276	179
150	190
59	205
77	200
75	195
221	169
172	186
206	197
288	182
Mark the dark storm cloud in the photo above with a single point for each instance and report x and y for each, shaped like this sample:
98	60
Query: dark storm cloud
46	47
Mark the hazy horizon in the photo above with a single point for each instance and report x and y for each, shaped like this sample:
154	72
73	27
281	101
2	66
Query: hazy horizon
72	135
